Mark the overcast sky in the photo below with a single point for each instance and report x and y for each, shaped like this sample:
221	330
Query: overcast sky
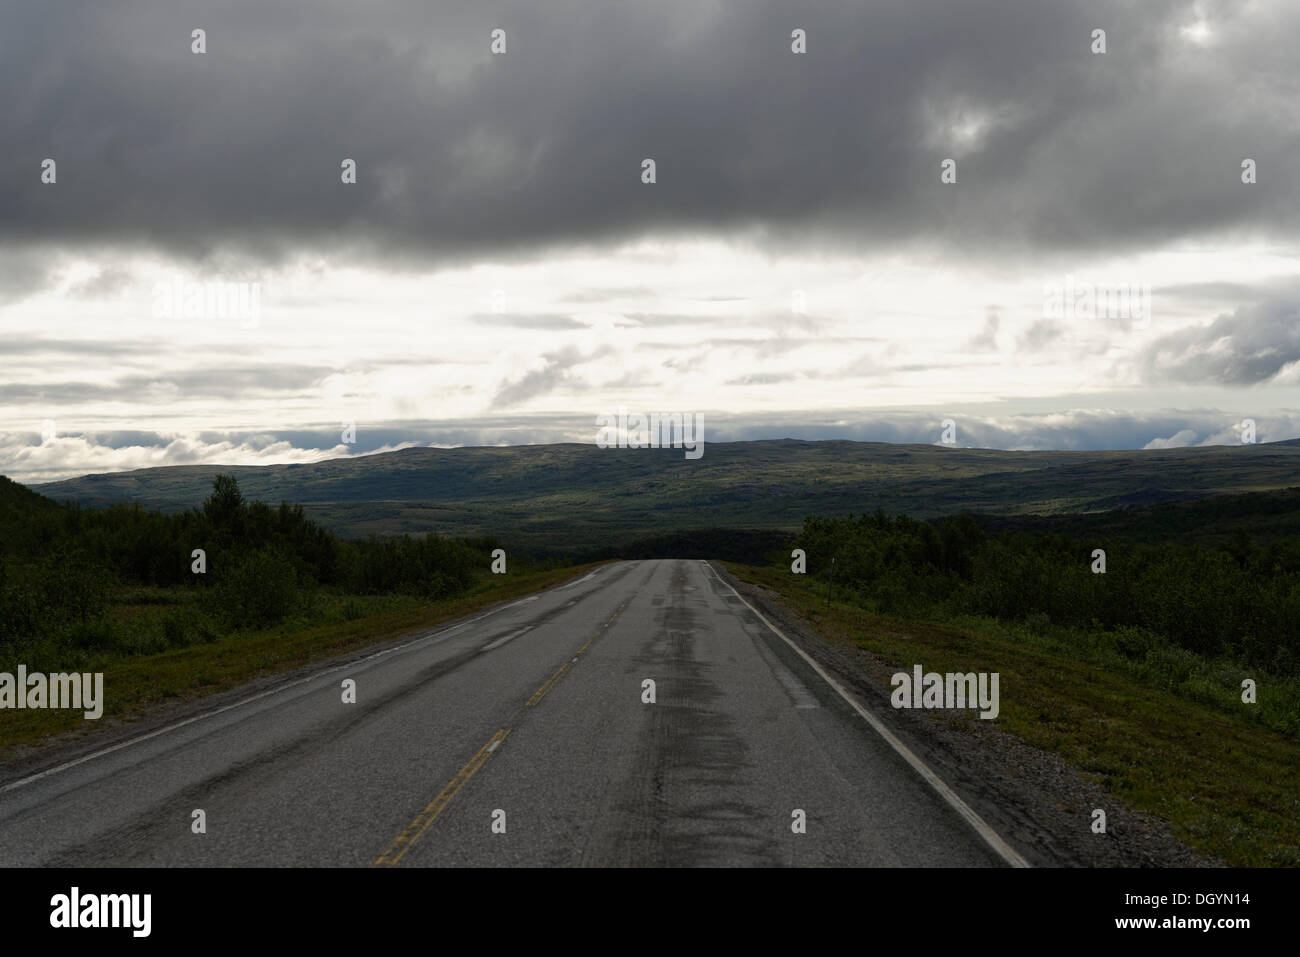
499	272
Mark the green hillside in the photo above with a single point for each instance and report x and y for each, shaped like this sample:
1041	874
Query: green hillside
573	497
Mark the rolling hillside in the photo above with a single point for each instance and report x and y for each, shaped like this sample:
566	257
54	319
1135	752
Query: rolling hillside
571	497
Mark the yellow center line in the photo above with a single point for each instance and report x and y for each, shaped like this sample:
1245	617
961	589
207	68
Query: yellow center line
412	833
416	828
540	692
618	611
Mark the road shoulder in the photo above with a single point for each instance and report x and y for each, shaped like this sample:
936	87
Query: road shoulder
1034	799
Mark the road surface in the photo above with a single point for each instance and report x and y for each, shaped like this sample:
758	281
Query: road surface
521	737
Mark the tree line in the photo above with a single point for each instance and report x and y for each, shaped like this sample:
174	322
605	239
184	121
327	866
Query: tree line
1240	598
61	565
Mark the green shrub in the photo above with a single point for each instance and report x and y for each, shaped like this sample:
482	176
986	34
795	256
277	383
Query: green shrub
260	589
186	626
94	635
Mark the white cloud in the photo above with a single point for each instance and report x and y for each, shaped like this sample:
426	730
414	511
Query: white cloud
1179	440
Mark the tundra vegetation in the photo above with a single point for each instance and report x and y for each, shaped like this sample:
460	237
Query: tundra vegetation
1172	678
121	590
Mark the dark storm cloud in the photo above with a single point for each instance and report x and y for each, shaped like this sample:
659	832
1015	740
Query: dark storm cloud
1249	346
461	153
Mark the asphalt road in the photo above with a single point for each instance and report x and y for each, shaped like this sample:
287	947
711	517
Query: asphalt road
530	718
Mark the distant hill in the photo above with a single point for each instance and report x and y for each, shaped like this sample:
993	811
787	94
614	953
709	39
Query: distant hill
1262	516
573	497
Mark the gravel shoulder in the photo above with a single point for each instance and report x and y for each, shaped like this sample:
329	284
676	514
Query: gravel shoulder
1035	800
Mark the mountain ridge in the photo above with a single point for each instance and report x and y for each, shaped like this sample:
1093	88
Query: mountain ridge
563	495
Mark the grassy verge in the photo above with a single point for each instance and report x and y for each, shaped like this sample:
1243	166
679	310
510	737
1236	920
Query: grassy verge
133	683
1227	784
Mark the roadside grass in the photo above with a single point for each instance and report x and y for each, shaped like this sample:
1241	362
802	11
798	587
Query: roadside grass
1189	752
335	625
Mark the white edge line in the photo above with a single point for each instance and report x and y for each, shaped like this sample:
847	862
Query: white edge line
501	641
990	836
578	581
68	765
171	727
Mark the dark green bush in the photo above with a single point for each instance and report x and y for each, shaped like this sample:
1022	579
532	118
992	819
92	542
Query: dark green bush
186	626
259	589
1238	600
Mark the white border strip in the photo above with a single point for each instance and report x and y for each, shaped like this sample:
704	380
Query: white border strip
437	633
431	637
981	827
